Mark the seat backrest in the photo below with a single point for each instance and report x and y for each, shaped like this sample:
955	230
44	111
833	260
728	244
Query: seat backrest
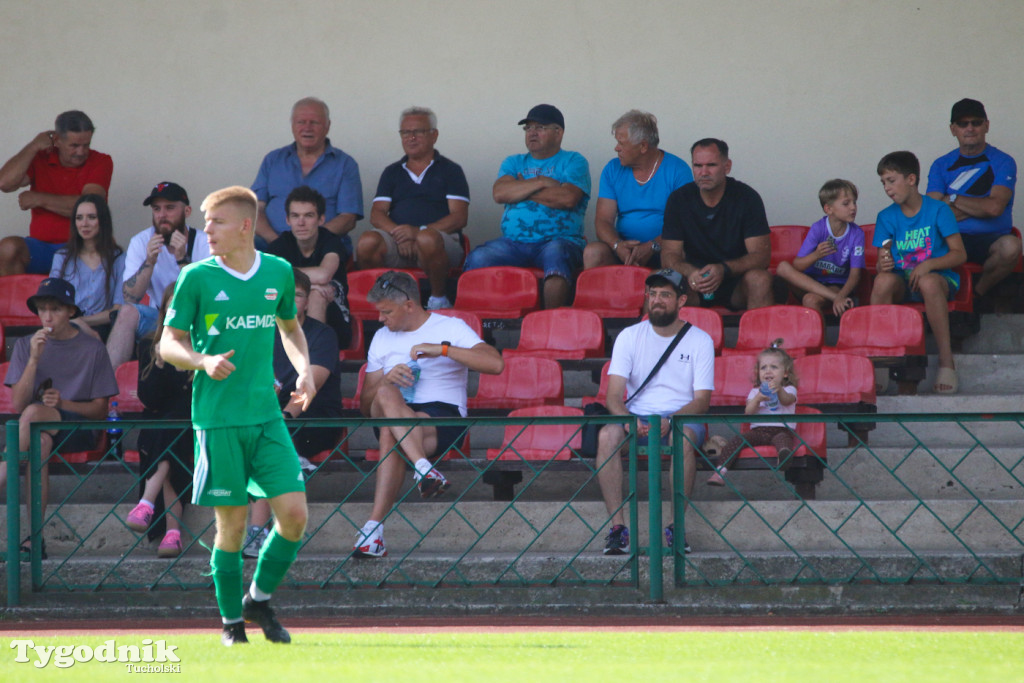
835	378
468	317
733	379
870	251
799	327
353	403
357	346
612	287
786	241
811	433
6	408
563	329
14	292
505	289
525	379
127	375
544	437
706	319
360	282
881	325
3	345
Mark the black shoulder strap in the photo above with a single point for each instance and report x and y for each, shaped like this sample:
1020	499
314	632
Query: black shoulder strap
191	243
661	361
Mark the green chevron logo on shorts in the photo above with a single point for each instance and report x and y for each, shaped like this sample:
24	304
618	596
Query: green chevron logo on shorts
210	319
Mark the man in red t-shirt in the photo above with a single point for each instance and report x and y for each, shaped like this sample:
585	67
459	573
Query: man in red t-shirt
59	167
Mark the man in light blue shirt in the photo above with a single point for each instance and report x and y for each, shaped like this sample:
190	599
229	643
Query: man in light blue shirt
545	193
310	160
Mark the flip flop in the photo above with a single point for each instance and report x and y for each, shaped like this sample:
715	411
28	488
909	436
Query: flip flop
947	377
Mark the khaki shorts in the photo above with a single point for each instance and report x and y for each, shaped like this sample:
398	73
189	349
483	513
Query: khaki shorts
234	462
452	247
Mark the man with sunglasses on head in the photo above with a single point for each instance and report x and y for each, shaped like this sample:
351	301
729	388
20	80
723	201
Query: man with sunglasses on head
417	366
977	181
545	193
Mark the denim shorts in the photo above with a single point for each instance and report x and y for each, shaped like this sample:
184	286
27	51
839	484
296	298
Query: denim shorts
557	256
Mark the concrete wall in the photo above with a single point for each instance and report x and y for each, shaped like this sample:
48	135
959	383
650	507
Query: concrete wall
198	91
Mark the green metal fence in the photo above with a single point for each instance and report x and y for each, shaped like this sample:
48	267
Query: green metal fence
941	501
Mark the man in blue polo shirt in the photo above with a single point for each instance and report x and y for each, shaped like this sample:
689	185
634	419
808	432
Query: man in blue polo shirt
977	181
545	193
420	209
310	160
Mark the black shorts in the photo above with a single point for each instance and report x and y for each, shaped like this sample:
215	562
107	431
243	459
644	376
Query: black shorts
73	441
447	435
978	245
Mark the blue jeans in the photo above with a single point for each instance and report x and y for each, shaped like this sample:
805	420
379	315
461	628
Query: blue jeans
557	256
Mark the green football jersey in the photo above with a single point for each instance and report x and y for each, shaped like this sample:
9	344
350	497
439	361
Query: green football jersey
223	310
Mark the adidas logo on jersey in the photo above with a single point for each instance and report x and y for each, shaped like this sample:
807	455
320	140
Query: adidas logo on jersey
222	296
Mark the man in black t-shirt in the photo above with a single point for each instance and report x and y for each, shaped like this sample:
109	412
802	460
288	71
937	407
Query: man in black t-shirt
716	234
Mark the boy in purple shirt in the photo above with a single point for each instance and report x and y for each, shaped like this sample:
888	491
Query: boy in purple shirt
827	268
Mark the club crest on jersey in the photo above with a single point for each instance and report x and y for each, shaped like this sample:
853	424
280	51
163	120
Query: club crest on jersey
270	294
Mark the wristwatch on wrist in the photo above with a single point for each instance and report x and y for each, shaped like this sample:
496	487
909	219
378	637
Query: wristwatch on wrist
615	247
952	199
445	345
655	247
423	227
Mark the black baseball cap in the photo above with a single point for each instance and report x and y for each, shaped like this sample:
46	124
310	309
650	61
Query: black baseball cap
672	278
544	113
55	288
967	107
167	190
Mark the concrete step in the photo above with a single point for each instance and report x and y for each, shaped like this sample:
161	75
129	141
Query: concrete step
481	529
999	334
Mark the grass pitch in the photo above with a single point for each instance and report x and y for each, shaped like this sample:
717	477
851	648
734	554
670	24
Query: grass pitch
534	655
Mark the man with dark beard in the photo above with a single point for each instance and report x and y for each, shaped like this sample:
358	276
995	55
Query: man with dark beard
681	386
155	257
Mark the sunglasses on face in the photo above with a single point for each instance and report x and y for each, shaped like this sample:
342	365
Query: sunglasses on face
964	123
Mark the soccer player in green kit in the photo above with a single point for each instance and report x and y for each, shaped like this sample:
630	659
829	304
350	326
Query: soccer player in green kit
221	323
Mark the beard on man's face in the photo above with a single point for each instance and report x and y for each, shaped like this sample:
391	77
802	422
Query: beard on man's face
662	318
168	229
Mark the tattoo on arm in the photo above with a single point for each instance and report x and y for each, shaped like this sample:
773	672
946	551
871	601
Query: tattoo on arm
129	285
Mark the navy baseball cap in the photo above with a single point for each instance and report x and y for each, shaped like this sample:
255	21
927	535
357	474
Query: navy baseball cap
55	288
544	113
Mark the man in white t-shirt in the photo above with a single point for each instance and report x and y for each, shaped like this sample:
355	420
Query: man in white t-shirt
682	386
152	262
444	349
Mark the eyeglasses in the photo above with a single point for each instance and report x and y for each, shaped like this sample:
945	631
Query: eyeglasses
414	132
964	123
530	127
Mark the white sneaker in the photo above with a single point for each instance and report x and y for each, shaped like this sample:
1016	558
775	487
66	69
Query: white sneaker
435	303
370	542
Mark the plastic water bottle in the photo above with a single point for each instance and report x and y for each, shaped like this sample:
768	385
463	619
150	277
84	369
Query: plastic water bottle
707	296
114	431
409	393
773	398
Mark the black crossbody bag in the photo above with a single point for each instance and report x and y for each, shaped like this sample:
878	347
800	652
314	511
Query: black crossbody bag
588	448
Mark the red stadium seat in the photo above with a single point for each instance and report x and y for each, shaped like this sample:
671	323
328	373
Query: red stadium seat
14	292
357	346
870	251
706	319
3	346
835	378
6	407
539	442
786	242
612	291
602	389
734	378
353	403
360	282
802	330
127	398
524	382
471	319
880	331
497	292
560	333
811	433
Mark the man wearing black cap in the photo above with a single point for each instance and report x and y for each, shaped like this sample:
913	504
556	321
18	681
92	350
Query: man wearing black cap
545	193
58	374
682	385
977	181
155	257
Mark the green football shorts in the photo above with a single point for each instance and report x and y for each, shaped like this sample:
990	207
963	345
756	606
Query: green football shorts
234	462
